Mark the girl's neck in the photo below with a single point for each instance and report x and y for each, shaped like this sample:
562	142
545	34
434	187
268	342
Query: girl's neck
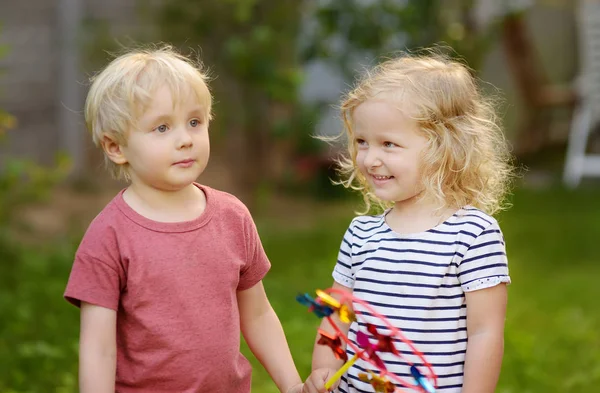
417	215
181	205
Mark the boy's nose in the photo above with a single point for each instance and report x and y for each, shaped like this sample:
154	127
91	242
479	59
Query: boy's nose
185	139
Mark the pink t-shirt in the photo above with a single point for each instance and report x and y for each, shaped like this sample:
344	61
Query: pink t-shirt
174	287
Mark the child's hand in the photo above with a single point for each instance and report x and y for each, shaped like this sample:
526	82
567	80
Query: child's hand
297	388
316	381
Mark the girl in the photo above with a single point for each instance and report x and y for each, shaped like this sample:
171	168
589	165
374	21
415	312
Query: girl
424	144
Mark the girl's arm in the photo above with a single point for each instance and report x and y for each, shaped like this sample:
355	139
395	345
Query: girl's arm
324	363
97	349
486	311
265	337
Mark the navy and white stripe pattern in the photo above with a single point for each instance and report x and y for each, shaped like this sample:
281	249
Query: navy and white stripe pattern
418	282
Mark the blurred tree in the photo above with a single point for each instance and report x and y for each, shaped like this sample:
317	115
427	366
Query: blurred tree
251	47
6	120
539	95
21	180
350	31
257	50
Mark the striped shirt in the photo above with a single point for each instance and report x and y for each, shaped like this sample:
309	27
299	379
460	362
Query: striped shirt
418	282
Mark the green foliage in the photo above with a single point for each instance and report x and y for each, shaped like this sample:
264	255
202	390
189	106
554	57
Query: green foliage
347	30
6	120
552	343
28	355
250	45
23	181
39	330
97	42
250	42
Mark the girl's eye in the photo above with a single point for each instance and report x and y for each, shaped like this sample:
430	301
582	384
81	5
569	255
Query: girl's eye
361	142
389	144
194	122
162	128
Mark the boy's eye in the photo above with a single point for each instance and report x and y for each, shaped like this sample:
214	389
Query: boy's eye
389	144
194	122
162	128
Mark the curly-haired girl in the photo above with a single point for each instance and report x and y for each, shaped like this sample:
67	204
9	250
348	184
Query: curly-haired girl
425	144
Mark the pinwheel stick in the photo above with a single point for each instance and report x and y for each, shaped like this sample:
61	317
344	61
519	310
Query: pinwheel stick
341	372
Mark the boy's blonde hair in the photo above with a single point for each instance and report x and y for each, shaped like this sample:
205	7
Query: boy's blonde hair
467	160
121	93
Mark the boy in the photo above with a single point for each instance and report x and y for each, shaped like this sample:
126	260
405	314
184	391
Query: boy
170	271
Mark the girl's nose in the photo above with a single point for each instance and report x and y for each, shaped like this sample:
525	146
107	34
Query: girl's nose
372	158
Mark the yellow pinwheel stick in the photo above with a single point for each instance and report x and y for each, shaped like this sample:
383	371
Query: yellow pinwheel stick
340	372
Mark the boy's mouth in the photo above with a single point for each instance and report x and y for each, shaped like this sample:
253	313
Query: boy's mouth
185	163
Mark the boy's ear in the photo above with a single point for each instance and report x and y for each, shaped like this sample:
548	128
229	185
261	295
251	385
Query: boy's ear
113	150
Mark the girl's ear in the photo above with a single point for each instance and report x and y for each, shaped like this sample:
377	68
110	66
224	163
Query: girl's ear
113	150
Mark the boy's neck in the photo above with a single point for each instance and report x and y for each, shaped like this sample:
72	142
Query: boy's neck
159	205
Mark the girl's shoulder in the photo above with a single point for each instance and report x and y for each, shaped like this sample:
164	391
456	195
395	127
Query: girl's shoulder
364	227
368	219
474	216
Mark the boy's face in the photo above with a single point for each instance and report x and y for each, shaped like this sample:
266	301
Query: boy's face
170	147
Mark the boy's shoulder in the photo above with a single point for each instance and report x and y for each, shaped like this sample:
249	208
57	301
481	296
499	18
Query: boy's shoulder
102	234
109	218
225	203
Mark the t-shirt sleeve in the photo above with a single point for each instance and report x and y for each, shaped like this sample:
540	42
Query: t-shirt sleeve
484	265
93	281
97	275
257	263
343	272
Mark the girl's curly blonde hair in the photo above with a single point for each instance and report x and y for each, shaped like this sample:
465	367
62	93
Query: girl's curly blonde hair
467	160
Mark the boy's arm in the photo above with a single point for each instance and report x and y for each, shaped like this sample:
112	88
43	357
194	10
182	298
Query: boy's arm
97	349
265	337
486	311
324	363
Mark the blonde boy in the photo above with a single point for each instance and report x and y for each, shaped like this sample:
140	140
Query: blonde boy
170	271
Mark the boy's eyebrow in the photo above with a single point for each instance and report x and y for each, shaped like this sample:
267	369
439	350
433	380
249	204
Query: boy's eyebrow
165	117
158	118
198	110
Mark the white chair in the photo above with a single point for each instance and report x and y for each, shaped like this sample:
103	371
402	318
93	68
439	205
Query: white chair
578	162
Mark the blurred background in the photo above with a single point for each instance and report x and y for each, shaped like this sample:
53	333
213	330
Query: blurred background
279	68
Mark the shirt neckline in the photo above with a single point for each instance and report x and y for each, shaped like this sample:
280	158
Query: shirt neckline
421	233
170	227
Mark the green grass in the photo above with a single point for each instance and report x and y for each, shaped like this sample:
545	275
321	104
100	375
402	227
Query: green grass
552	340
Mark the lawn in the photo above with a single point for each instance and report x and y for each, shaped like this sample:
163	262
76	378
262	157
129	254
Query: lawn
552	340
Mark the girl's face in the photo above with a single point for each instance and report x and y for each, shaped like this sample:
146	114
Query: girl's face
389	146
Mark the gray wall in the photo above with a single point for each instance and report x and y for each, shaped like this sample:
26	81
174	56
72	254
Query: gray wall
37	80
